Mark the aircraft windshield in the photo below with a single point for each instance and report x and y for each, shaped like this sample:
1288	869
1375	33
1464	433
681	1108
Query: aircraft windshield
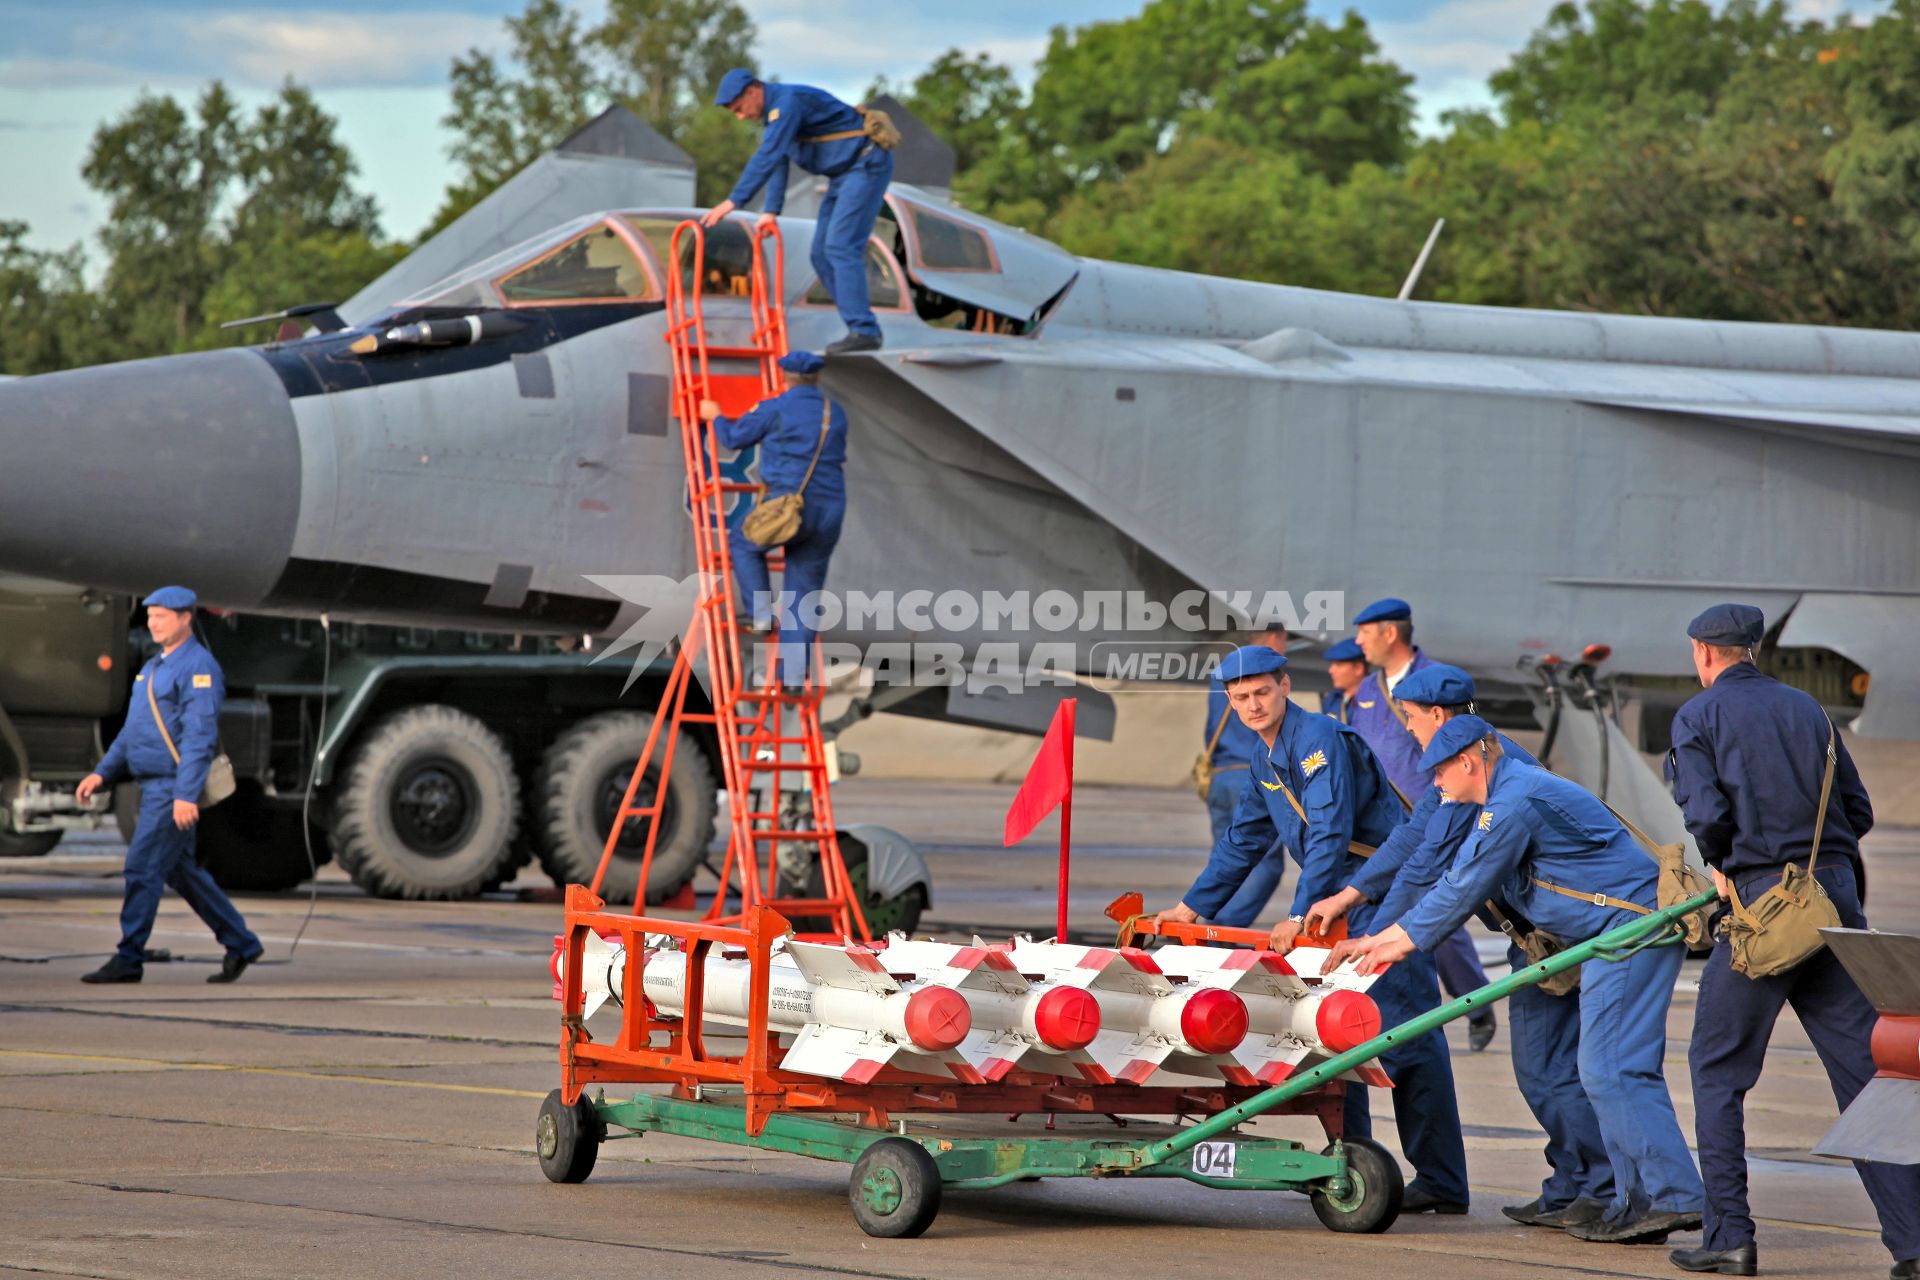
472	285
586	260
729	256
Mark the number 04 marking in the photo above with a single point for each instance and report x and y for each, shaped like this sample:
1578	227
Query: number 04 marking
1213	1159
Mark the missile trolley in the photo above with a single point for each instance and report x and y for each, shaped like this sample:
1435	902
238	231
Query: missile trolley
938	1065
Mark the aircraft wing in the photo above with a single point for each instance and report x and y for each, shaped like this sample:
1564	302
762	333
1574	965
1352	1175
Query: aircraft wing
1120	417
1891	432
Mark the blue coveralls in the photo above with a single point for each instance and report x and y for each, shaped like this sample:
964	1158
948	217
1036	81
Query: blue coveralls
1748	755
857	170
1339	784
189	688
787	429
1371	710
1230	756
1545	1029
1538	827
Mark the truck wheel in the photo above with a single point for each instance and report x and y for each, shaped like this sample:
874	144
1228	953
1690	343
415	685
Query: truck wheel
582	781
426	807
883	915
28	844
251	844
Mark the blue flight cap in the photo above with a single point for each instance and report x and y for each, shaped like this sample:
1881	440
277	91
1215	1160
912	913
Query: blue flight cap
1345	651
1455	736
802	362
732	85
1735	624
1388	610
1251	660
1436	686
173	598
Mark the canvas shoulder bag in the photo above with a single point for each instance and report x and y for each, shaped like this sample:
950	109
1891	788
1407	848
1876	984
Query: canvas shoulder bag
219	783
776	520
1781	930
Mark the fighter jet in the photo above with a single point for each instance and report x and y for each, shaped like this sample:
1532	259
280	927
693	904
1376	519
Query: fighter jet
478	451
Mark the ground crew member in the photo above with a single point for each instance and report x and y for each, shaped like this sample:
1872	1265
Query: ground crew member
822	135
1545	1028
183	688
1230	745
1346	668
1749	756
803	449
1384	630
1318	790
1548	847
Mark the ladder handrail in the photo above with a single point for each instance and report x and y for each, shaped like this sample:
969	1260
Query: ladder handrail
747	721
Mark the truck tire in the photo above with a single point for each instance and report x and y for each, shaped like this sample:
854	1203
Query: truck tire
426	807
581	782
883	915
253	845
28	844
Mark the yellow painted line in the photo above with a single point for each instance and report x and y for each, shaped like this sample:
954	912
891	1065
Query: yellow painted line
288	1072
1788	1223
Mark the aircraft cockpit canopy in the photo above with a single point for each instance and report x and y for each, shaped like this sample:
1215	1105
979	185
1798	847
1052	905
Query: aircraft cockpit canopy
594	259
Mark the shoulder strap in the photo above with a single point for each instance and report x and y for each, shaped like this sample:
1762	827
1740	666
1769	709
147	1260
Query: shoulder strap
1353	846
1392	704
155	704
1597	899
826	415
1213	741
1826	791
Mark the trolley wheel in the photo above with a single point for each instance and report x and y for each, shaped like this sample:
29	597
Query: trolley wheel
895	1190
1372	1201
567	1138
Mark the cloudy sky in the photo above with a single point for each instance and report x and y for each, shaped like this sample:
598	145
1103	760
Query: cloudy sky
381	68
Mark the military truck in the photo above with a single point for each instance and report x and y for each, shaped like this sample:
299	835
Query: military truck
430	764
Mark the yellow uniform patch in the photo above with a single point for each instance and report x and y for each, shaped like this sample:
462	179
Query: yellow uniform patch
773	115
1446	797
203	682
1271	786
1486	820
1367	705
1313	763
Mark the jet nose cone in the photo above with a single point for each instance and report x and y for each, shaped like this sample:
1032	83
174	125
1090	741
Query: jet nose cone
185	468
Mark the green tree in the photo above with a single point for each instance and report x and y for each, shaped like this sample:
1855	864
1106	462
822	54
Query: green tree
213	216
659	58
48	318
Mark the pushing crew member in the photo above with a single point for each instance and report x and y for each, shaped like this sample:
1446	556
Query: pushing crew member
1320	795
1229	746
1545	1028
167	745
1384	630
803	449
825	136
1750	756
1548	847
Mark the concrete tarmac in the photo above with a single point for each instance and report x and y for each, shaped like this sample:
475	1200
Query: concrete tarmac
366	1107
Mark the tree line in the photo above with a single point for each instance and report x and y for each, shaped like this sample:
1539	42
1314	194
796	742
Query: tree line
1663	157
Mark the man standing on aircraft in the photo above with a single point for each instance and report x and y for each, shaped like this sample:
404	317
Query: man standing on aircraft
1545	1028
1545	845
1385	632
1346	668
1767	785
1320	793
167	745
803	449
826	136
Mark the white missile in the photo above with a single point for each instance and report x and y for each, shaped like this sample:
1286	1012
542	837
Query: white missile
1016	1021
848	1015
1147	1022
1294	1019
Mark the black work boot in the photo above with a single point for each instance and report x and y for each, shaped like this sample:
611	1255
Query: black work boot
1741	1260
855	342
231	967
114	970
1905	1269
1582	1212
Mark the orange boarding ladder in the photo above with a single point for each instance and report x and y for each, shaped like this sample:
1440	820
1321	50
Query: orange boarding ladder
757	726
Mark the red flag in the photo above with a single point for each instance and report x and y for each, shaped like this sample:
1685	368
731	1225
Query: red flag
1049	777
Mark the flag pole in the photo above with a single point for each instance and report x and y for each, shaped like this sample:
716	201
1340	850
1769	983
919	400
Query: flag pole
1066	823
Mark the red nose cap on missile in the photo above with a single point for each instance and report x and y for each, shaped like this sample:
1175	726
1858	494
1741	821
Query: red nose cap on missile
1214	1021
937	1018
1345	1020
1067	1018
